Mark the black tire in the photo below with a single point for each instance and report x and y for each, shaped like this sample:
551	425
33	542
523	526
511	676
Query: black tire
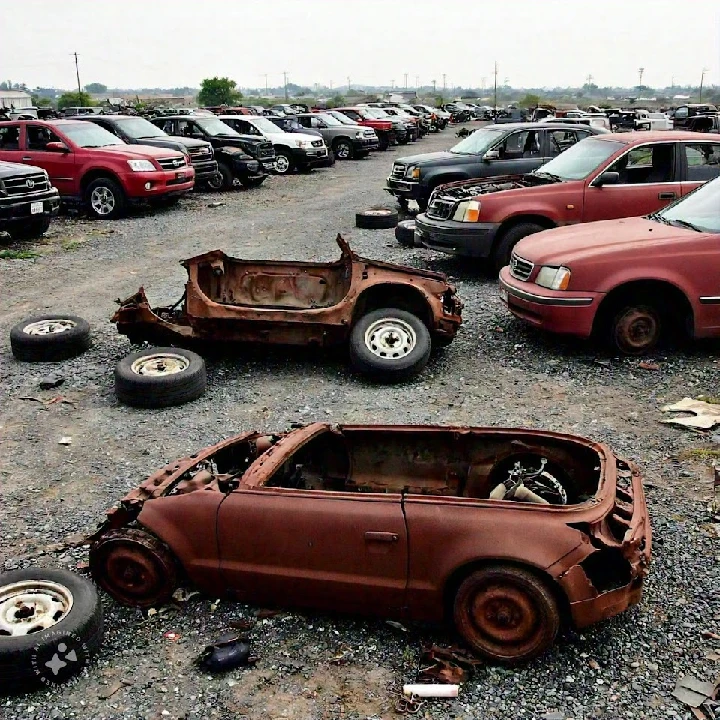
506	614
503	249
284	163
216	181
635	326
405	233
115	201
253	182
228	179
380	218
422	204
383	142
133	386
32	229
372	345
134	567
52	655
343	149
41	339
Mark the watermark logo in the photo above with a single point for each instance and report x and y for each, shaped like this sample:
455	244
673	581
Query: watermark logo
60	656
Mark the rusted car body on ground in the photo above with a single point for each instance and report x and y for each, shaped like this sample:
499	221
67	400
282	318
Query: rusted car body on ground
391	315
506	532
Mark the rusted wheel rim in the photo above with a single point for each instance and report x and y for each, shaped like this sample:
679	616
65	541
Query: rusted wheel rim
102	200
390	339
31	606
160	364
131	571
48	327
505	617
636	330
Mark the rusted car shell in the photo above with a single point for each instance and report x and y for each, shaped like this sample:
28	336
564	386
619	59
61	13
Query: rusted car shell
419	495
290	303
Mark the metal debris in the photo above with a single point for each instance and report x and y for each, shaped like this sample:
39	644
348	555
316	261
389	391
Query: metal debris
66	440
446	665
439	691
693	692
704	415
228	652
52	381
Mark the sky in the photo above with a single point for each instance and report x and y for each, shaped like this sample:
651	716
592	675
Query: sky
536	43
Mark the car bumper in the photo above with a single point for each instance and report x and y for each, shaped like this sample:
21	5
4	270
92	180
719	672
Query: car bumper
308	158
404	188
170	182
22	209
249	169
558	311
365	144
205	169
455	238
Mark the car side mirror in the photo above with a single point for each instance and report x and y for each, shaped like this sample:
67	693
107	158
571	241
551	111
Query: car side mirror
607	178
57	147
491	155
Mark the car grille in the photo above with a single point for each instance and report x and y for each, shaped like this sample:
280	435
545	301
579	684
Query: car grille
369	133
15	186
398	172
171	163
520	268
441	209
199	153
266	151
317	143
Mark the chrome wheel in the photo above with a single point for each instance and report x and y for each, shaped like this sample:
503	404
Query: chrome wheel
390	339
48	327
31	606
159	364
102	201
282	164
343	151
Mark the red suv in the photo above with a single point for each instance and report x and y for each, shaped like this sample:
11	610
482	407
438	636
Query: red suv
88	164
628	280
599	178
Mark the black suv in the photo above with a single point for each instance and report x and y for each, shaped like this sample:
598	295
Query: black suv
682	115
27	200
138	131
493	150
239	157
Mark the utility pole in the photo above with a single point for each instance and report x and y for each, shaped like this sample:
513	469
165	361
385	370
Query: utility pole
417	82
702	77
348	79
640	73
495	91
392	84
483	84
406	77
285	78
444	84
266	84
589	79
77	72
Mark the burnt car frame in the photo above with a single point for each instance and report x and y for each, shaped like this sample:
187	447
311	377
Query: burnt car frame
414	522
390	315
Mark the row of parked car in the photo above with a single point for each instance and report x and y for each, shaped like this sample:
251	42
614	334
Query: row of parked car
106	162
514	194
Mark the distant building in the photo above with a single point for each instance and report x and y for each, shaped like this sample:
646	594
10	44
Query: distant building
401	96
14	99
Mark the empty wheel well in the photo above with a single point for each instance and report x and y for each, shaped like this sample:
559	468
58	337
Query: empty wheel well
460	574
96	175
510	223
666	297
397	296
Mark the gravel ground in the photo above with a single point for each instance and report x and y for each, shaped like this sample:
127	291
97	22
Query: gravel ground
497	372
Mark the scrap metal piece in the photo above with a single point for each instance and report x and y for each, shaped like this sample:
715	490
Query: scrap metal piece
705	415
228	652
693	692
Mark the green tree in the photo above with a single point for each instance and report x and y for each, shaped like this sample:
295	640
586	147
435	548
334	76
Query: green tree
38	101
336	101
218	91
74	99
96	88
530	101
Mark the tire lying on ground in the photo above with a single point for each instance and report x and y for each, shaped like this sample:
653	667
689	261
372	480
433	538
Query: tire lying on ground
160	377
376	219
405	233
50	338
51	624
389	345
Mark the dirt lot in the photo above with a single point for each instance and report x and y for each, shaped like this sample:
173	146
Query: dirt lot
496	373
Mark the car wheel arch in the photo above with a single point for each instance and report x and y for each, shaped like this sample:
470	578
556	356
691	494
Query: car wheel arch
402	296
98	174
434	181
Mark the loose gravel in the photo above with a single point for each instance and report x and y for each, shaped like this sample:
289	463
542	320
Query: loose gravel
496	373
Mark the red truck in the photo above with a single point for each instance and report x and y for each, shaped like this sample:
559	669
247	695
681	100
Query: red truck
600	178
89	165
388	131
630	281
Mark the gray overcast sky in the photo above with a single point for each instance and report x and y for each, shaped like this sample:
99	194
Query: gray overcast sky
155	43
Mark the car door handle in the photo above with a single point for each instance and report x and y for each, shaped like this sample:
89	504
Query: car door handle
667	196
27	157
387	537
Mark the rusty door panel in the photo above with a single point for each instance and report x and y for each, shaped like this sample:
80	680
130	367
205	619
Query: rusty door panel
314	549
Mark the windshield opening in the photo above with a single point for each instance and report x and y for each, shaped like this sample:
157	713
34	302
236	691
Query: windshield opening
698	210
478	142
138	128
89	135
265	126
213	126
329	120
342	119
577	162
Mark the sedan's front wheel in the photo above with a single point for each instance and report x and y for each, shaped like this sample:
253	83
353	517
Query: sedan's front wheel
105	199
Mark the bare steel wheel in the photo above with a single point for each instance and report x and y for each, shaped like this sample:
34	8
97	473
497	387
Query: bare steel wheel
506	614
134	567
29	606
50	338
636	329
159	364
390	338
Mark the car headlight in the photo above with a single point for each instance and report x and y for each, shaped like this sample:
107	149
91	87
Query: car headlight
359	135
412	172
467	211
304	144
3	191
553	278
141	165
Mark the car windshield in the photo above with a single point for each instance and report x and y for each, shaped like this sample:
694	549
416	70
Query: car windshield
88	135
700	210
342	119
265	126
139	128
376	113
213	126
329	120
581	159
478	142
